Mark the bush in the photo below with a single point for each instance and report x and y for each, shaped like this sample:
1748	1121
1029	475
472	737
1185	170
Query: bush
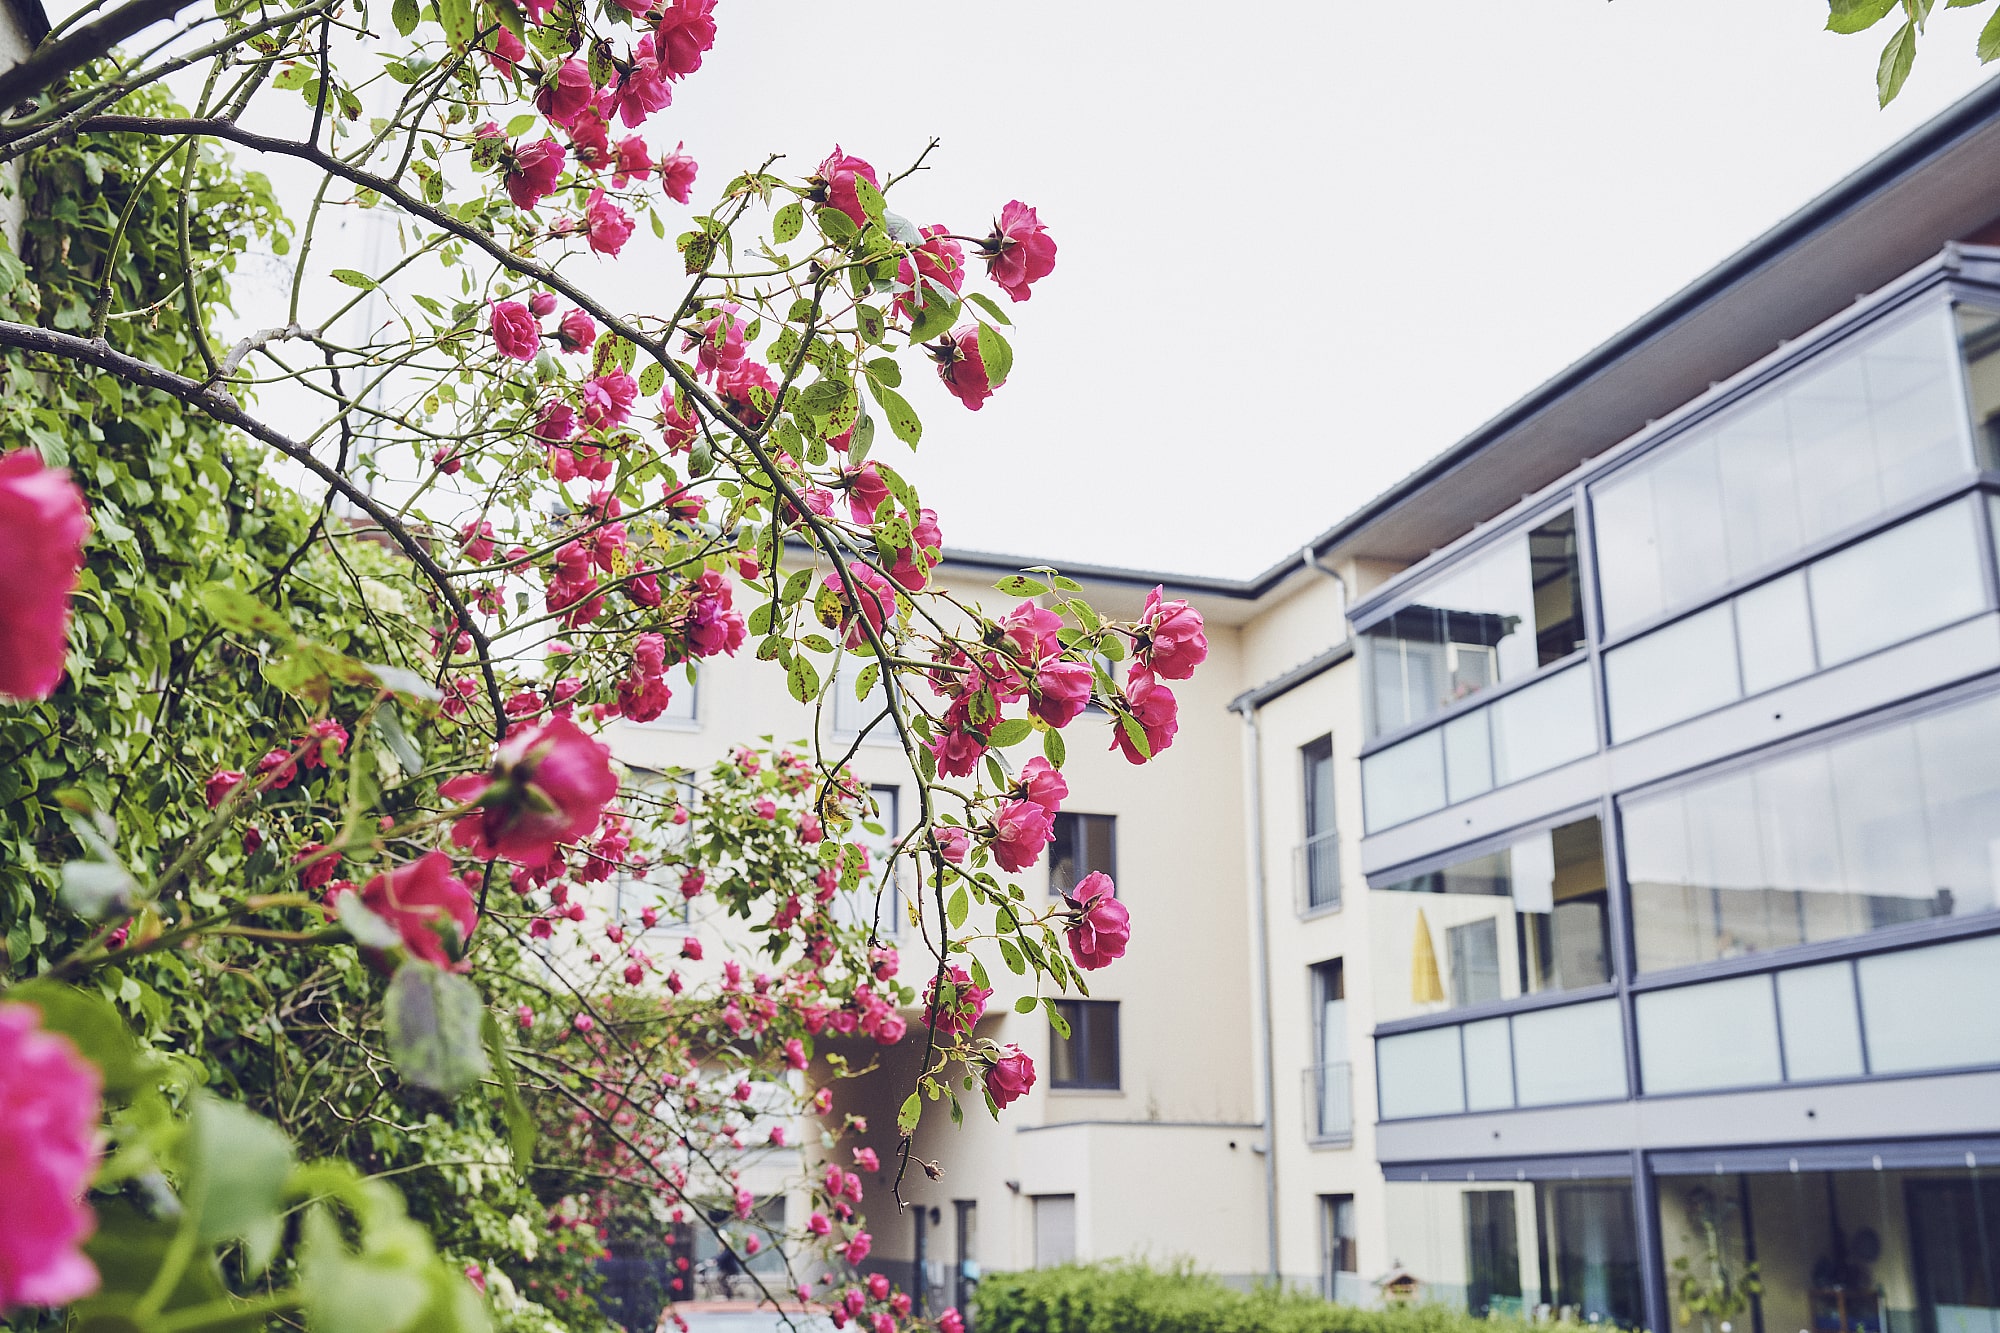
1133	1298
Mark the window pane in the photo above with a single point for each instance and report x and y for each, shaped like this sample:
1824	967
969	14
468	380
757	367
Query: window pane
1545	725
1419	1074
1816	1012
1869	426
1468	755
1979	344
1489	1066
851	715
1913	578
1935	1008
1558	597
1774	633
1055	1229
1573	1054
1679	672
1403	781
1080	845
1721	1035
1959	754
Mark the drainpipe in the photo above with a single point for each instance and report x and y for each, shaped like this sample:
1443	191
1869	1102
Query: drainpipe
1311	559
1255	796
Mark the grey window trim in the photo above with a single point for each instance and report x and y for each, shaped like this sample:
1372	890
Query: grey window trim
1914	1154
1619	1100
1512	1170
1520	1004
1472	703
1890	939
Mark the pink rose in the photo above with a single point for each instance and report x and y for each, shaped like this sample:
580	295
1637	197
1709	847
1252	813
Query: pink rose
939	262
1170	643
795	1053
1020	832
220	784
532	171
891	1029
1020	251
677	171
867	1160
857	1249
429	907
1102	927
953	842
1010	1076
565	97
554	423
878	1286
634	161
608	225
48	1154
1031	631
1153	705
543	304
691	949
951	1321
866	591
1060	692
686	32
607	400
865	492
958	752
577	332
549	784
640	90
964	1003
836	188
1042	783
961	367
506	52
818	1225
913	562
42	527
515	332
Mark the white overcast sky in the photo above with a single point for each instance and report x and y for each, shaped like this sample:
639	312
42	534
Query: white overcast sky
1304	246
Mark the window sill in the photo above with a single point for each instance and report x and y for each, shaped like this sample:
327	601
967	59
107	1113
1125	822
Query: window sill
1086	1092
1315	913
667	724
1331	1142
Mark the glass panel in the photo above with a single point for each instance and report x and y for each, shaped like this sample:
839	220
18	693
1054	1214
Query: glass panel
1935	1008
1489	1066
1573	1054
1504	1250
1774	634
1080	845
1721	1035
1547	724
1822	1033
1468	756
1419	1074
1518	920
1979	344
852	716
1499	615
1870	425
1897	824
1896	586
1683	670
1403	781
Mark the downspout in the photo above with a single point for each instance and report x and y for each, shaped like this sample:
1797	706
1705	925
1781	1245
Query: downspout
1255	796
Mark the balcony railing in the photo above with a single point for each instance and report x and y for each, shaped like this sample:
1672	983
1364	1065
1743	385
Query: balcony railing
1316	873
1329	1092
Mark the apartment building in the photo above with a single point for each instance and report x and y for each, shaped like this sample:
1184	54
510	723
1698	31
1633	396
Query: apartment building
1573	886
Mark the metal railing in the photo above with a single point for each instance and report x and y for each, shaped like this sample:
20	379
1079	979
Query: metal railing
1329	1093
1316	873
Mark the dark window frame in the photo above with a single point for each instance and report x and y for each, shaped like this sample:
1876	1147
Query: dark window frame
1088	1021
1081	822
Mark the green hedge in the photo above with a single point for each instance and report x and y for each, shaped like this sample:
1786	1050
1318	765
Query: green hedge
1132	1298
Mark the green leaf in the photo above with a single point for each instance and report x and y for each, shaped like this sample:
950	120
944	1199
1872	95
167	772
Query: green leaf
959	908
406	683
1056	1020
389	726
864	680
871	199
835	225
432	1017
994	354
906	1119
1053	748
519	126
238	1163
403	13
242	613
1011	956
871	324
884	371
460	26
1989	40
95	1028
933	318
652	379
520	1125
301	676
1020	585
787	223
1011	732
291	77
1856	15
1137	735
359	921
95	890
354	278
1894	67
1026	1004
383	1292
903	419
129	1250
802	678
990	306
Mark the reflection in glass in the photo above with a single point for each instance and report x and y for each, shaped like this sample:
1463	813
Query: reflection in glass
1720	1035
1567	1249
1872	424
1502	614
1088	1057
1518	920
1489	1066
1897	824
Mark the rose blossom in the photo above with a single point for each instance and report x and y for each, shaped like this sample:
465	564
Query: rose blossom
42	527
836	176
964	1004
961	367
576	332
939	262
1170	643
1060	692
1042	783
1102	927
549	784
634	161
865	492
870	592
608	225
1010	1076
515	332
220	784
1157	712
48	1154
1020	831
506	53
1020	251
686	31
953	842
532	171
607	400
641	90
677	171
565	97
429	907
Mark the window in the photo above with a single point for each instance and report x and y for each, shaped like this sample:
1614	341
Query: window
852	715
656	884
1055	1229
1338	1257
1329	1085
1492	1254
1873	424
1319	854
1500	615
1721	1035
1542	1057
682	700
1528	917
1879	828
1088	1057
1080	845
867	904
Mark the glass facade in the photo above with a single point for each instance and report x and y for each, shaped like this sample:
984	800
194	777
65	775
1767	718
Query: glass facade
1545	1057
1868	427
1892	825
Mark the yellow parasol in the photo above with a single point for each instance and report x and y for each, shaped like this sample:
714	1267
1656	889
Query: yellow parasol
1426	986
